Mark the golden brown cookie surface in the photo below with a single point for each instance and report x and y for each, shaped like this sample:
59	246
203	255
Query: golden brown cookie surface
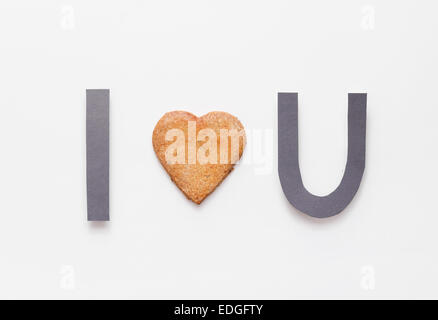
198	153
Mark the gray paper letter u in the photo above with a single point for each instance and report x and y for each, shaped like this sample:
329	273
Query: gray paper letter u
288	164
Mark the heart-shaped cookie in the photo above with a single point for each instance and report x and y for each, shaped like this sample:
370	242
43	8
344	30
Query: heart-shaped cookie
198	153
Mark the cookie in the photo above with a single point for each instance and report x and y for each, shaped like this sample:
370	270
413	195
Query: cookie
198	153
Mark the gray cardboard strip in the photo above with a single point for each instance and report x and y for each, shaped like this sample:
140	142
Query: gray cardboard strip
98	154
288	163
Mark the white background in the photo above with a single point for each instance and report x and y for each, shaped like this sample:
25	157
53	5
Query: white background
245	240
